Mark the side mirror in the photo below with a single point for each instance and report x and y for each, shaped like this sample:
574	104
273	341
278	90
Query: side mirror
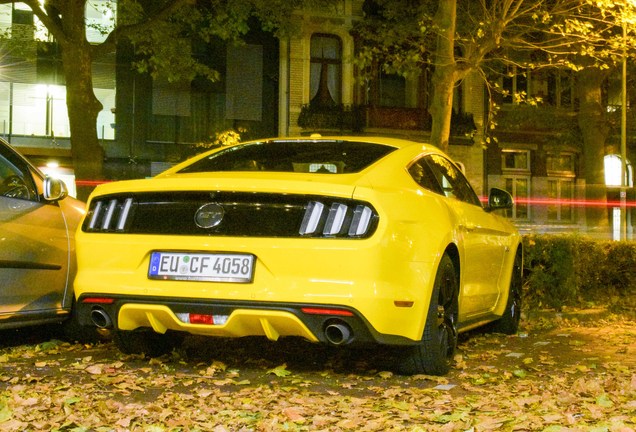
499	199
54	189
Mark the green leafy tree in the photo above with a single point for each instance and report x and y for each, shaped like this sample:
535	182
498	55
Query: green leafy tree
454	39
601	36
161	32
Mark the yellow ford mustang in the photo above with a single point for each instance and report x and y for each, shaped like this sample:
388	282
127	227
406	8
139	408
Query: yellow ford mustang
339	240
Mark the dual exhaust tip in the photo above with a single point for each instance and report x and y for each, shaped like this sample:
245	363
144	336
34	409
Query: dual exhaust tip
101	319
336	332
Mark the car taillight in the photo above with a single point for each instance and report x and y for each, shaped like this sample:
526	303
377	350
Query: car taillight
98	300
337	220
110	214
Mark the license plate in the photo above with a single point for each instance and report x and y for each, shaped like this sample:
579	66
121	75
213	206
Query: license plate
216	267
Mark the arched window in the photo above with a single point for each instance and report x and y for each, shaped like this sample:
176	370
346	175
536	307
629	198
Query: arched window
613	171
326	70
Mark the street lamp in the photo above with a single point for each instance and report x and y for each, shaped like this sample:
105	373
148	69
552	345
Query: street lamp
628	15
623	190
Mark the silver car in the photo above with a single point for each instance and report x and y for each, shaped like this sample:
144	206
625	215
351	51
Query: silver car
37	246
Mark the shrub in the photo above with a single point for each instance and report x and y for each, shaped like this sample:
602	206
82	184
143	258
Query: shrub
571	270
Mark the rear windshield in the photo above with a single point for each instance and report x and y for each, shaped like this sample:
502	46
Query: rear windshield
328	157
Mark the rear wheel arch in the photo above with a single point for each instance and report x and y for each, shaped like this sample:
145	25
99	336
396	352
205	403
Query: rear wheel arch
434	353
453	252
508	323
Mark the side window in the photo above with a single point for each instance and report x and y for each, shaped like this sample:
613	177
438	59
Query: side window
451	179
15	179
424	176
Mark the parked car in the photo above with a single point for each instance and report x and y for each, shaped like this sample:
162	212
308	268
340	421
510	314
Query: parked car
37	252
339	240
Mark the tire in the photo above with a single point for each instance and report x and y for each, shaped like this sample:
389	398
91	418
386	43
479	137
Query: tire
73	331
434	354
509	321
146	342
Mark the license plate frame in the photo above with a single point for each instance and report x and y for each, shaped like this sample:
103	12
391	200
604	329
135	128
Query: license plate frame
230	267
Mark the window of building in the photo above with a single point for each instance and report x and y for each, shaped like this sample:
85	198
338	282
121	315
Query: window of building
613	169
40	110
560	89
100	19
244	82
326	70
519	188
516	160
22	16
561	175
561	194
391	90
515	165
562	163
33	95
515	84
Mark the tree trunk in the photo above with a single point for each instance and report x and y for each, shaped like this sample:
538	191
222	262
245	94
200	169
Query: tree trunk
83	109
594	128
444	75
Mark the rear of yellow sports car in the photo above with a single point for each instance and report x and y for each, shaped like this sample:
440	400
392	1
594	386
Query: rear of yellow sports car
366	286
336	257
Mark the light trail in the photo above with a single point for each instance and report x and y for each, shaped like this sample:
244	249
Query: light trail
527	201
562	202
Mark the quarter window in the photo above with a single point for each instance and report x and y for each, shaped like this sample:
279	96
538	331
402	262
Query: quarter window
449	180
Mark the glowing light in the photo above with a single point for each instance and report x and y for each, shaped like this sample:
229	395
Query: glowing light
613	167
574	203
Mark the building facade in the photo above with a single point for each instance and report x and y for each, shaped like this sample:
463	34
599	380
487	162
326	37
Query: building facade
307	83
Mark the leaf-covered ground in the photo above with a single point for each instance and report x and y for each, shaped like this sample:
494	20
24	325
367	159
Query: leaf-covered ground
557	374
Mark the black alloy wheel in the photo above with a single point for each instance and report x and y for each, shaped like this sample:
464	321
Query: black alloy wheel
434	354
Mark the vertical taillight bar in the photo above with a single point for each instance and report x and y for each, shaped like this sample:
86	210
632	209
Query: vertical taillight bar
361	219
312	217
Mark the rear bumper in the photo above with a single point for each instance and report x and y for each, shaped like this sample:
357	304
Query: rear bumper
336	325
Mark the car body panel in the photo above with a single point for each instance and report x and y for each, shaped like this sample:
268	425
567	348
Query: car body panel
384	280
37	257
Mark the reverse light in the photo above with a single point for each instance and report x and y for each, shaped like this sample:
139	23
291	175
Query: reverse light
205	319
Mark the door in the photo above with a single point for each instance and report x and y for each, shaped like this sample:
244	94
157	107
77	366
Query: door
34	247
483	240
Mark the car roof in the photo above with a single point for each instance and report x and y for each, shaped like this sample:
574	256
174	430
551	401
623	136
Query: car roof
389	141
